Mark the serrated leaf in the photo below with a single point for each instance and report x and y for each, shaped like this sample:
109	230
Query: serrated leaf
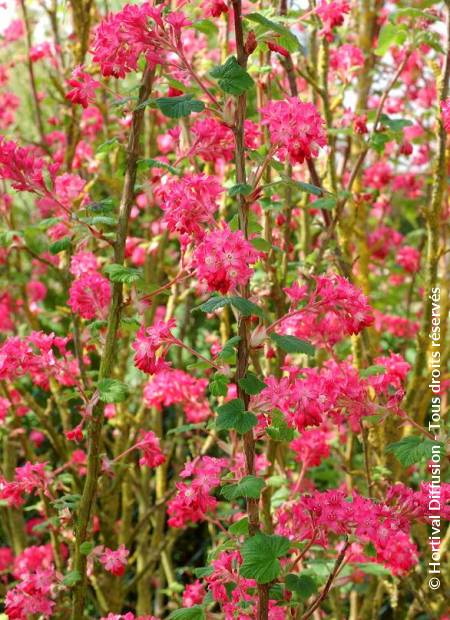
149	162
239	528
372	370
177	107
251	384
303	585
278	429
371	568
291	344
231	77
218	386
60	245
86	547
240	188
413	449
232	416
99	220
327	203
287	38
71	578
188	613
108	146
120	273
260	554
390	35
261	244
112	391
206	26
308	187
249	487
246	307
214	303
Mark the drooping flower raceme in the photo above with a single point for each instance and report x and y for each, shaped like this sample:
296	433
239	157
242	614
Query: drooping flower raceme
222	259
89	296
189	203
296	129
151	344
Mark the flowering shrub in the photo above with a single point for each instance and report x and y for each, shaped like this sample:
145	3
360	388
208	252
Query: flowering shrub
223	365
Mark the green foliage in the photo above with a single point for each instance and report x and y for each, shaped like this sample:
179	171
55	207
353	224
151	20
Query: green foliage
249	486
120	273
303	585
112	391
232	416
251	384
189	613
232	78
260	554
177	107
291	344
390	35
413	449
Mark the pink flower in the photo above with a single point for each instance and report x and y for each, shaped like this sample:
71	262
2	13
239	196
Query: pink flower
296	129
122	37
21	166
173	386
151	344
83	87
222	259
149	445
89	296
189	202
332	13
445	109
193	594
83	262
409	258
114	562
345	58
68	187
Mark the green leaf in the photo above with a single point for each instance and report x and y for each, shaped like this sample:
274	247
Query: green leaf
239	528
70	579
278	429
176	107
246	307
261	244
303	585
228	352
218	386
373	569
249	486
119	273
108	146
214	303
86	547
240	188
260	554
291	344
395	124
379	140
390	35
287	39
372	370
413	449
99	220
232	78
6	237
308	187
188	613
232	416
327	203
112	391
60	245
206	26
144	164
251	384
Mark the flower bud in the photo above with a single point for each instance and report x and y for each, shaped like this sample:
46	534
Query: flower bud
258	336
251	43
